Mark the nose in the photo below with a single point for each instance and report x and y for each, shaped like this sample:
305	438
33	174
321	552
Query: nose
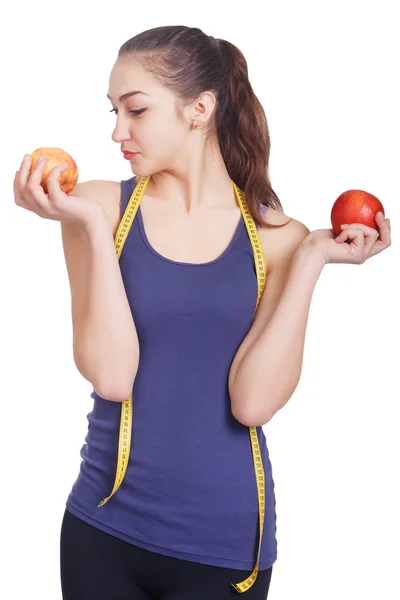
121	133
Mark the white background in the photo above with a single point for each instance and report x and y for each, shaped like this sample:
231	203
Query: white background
327	76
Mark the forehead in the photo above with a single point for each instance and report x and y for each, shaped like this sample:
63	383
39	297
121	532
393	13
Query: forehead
127	75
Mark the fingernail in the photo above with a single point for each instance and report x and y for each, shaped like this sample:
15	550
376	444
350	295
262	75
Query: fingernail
345	225
26	157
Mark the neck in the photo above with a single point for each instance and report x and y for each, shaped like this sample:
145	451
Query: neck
196	181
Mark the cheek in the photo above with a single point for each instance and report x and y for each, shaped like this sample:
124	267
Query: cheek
163	138
149	134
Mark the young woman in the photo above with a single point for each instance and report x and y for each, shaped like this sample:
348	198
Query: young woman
170	324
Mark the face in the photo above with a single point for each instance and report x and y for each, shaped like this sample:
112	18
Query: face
158	133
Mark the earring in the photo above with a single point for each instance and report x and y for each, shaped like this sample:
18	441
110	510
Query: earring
194	124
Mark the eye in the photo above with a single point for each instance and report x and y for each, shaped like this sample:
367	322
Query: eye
136	112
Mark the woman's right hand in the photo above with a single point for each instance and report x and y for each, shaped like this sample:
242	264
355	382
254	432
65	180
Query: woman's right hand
56	205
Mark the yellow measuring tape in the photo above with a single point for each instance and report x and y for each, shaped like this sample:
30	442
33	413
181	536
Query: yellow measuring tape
124	444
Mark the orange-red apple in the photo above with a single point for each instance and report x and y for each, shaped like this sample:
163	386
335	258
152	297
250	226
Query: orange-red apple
55	157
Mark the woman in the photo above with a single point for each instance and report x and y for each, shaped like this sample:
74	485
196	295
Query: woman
169	323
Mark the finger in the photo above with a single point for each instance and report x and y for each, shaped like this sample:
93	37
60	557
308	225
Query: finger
371	235
24	171
18	199
370	244
374	241
53	185
20	179
356	248
367	230
35	177
384	232
352	233
33	191
380	219
383	226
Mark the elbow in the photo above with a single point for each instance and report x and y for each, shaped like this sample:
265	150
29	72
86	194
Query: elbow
110	385
252	409
251	416
109	391
262	409
115	387
255	419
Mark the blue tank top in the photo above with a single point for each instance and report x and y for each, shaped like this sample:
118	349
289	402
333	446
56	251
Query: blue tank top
190	490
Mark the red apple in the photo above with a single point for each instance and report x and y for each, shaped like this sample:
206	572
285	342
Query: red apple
355	206
55	157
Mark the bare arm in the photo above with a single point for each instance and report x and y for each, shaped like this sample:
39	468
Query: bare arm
105	342
270	370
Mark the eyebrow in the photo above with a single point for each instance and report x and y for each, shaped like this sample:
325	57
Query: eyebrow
128	95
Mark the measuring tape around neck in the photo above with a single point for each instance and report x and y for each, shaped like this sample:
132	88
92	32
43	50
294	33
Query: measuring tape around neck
124	443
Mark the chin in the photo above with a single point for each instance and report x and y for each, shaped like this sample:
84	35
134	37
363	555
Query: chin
143	172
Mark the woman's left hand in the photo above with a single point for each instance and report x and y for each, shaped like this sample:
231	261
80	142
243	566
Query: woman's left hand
364	241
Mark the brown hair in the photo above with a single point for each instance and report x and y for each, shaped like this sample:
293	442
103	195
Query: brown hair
188	62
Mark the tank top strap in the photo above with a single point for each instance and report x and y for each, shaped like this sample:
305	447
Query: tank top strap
263	210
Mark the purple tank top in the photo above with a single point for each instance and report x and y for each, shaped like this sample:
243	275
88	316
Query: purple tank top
190	490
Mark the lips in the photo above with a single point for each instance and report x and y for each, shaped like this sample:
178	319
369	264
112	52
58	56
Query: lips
129	155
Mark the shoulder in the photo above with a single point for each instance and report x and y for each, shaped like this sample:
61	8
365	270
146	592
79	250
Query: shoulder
106	193
280	243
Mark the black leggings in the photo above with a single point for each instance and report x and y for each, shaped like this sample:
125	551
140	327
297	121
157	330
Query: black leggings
98	566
